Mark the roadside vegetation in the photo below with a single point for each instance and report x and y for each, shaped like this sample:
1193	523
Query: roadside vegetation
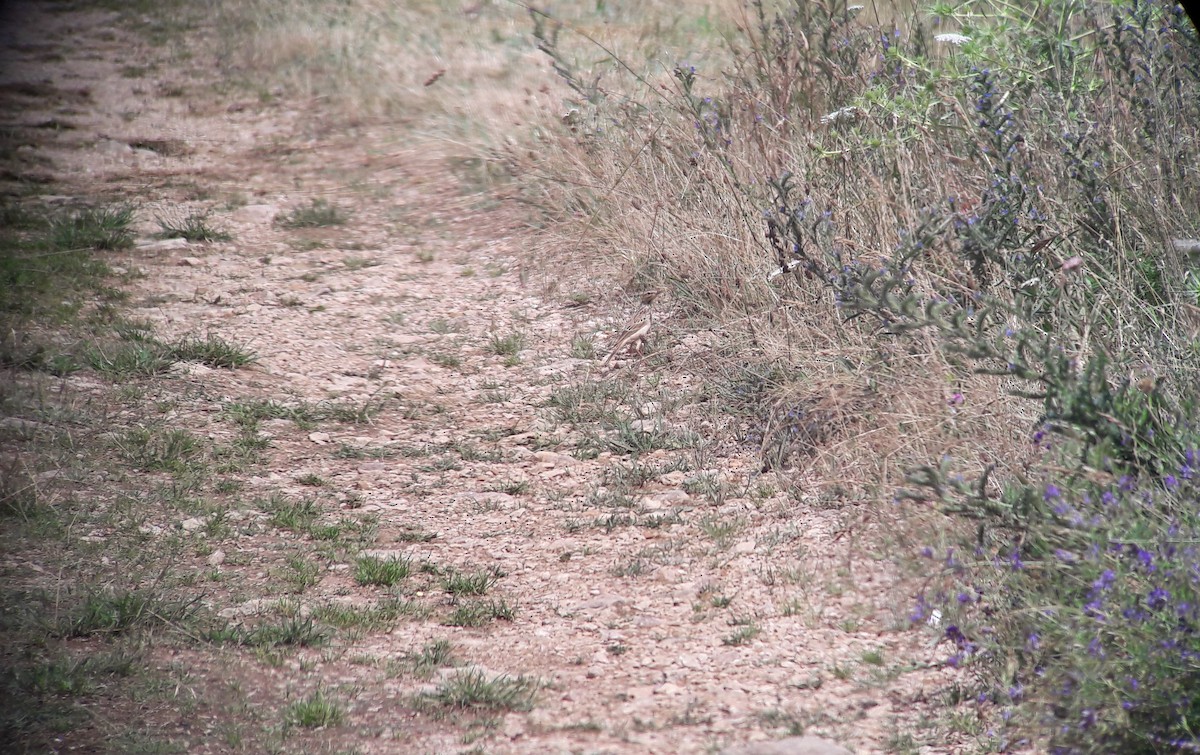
933	265
956	237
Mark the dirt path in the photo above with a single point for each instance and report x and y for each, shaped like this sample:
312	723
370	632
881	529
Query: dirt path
664	595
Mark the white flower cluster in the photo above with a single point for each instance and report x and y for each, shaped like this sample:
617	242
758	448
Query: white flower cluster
957	40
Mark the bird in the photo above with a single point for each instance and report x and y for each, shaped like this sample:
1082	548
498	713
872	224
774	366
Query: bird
633	336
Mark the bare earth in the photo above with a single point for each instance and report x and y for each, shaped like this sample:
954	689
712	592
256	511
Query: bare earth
634	615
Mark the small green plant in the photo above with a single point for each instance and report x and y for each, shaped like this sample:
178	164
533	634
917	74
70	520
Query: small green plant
508	345
194	228
384	572
302	574
873	657
480	613
347	451
442	326
126	359
361	263
446	359
213	351
289	513
48	265
476	583
433	655
316	710
318	213
106	228
842	671
109	612
742	635
288	632
513	487
413	534
153	450
583	347
634	567
473	691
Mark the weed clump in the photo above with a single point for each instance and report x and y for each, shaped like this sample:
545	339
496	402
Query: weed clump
319	213
1009	199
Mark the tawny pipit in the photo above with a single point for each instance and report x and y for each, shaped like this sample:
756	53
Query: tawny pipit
633	336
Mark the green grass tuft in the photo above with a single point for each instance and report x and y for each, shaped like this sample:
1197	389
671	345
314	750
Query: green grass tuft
384	572
318	213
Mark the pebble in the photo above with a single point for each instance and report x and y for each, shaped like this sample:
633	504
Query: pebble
162	245
555	459
791	746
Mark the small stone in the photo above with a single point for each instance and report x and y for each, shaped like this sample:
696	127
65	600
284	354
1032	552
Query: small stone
319	438
554	459
674	497
190	262
162	245
193	524
216	558
791	746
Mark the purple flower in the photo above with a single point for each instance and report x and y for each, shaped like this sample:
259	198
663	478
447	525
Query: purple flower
1033	641
1015	561
1157	598
1146	559
1052	492
920	610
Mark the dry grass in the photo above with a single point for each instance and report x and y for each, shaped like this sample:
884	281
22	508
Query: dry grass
642	210
455	72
